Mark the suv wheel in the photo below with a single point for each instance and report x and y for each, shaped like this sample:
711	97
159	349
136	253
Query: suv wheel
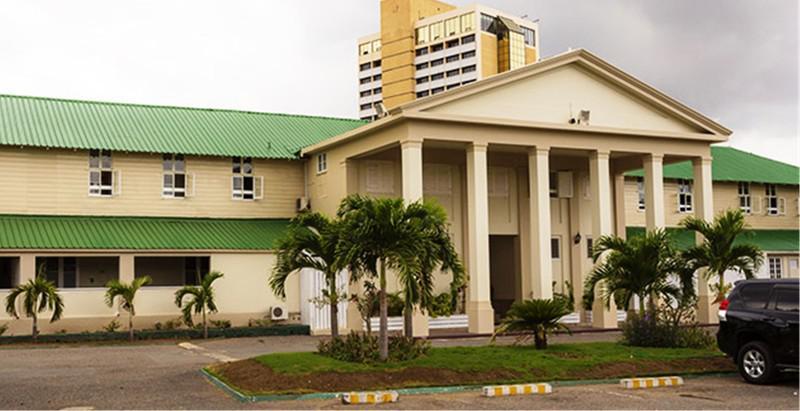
756	364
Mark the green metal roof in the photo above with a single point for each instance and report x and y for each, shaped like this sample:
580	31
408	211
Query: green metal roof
137	233
768	240
730	164
55	123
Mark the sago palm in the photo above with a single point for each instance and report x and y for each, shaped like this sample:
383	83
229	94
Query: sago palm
384	234
720	251
126	294
310	242
38	295
640	266
539	317
201	300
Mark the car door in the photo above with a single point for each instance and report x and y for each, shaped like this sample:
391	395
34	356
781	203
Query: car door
784	316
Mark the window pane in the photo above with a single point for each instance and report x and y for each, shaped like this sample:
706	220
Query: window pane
180	163
237	165
106	178
167	165
754	296
69	272
180	181
787	300
168	181
94	178
94	158
248	183
247	166
237	182
105	159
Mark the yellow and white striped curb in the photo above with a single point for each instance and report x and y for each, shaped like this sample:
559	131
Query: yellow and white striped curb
635	383
517	389
376	397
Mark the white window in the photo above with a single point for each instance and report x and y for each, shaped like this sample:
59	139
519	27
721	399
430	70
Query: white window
745	202
322	163
101	174
771	199
640	193
553	184
684	196
775	267
174	176
555	248
246	186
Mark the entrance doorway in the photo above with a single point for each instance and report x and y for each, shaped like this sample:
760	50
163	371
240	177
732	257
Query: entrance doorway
504	270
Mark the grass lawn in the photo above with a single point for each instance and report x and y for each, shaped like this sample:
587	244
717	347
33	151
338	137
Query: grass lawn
291	373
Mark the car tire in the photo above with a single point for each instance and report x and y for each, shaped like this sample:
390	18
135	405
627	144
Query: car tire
756	363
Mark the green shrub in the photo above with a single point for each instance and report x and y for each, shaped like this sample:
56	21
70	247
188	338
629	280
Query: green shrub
442	305
363	348
221	323
112	326
653	329
259	322
169	325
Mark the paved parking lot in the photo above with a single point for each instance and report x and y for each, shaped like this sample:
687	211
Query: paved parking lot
165	375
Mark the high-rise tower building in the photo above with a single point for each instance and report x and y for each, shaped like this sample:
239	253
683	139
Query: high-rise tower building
426	47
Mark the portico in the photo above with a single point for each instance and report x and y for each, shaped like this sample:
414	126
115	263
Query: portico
521	175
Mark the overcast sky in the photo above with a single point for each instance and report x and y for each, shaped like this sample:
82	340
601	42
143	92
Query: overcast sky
735	61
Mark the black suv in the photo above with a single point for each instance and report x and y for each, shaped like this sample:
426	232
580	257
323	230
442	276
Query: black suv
758	327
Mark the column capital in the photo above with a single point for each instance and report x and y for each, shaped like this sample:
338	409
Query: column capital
411	142
704	160
477	147
654	157
600	154
533	150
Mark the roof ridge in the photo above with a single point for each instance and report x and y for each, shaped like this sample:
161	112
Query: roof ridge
756	155
117	103
136	217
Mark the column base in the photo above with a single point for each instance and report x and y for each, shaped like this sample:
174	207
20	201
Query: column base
481	317
602	316
419	324
707	311
354	322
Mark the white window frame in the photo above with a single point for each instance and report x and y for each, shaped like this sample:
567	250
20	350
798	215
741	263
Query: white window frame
172	171
745	199
685	200
322	163
775	267
770	194
100	167
640	199
245	171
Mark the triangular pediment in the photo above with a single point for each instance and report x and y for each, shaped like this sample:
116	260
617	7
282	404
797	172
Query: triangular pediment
555	92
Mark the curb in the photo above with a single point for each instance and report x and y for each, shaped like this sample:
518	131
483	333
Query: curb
516	389
409	391
636	383
369	397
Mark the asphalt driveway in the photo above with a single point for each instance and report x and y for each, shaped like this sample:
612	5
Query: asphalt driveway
165	375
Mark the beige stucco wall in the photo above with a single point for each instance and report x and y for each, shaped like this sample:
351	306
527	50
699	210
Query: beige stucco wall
39	181
725	197
243	293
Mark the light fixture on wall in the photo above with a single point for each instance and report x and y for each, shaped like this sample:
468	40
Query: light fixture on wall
577	238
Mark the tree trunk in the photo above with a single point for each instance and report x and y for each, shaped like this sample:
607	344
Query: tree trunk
408	321
383	336
130	326
334	302
205	324
35	331
540	340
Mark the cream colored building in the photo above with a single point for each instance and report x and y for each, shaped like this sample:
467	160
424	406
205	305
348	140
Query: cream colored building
530	165
426	47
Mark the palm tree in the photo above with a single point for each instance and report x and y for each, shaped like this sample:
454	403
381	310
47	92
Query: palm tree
201	302
539	317
437	251
310	242
39	295
637	267
126	294
381	234
719	253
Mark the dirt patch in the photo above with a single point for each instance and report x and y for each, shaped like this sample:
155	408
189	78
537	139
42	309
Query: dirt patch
651	367
253	377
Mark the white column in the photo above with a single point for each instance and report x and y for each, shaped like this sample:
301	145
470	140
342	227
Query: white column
541	266
654	191
703	208
602	215
354	320
126	268
411	163
619	205
479	307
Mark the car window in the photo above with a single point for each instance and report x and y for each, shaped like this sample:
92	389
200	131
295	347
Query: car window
786	299
753	296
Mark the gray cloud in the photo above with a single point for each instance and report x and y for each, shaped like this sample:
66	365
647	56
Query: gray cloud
734	60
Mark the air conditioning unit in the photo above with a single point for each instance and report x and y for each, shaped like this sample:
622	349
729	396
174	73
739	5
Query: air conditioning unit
303	204
278	312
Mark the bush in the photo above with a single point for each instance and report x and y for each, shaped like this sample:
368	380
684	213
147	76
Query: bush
169	325
363	348
221	323
653	329
112	326
259	322
442	305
